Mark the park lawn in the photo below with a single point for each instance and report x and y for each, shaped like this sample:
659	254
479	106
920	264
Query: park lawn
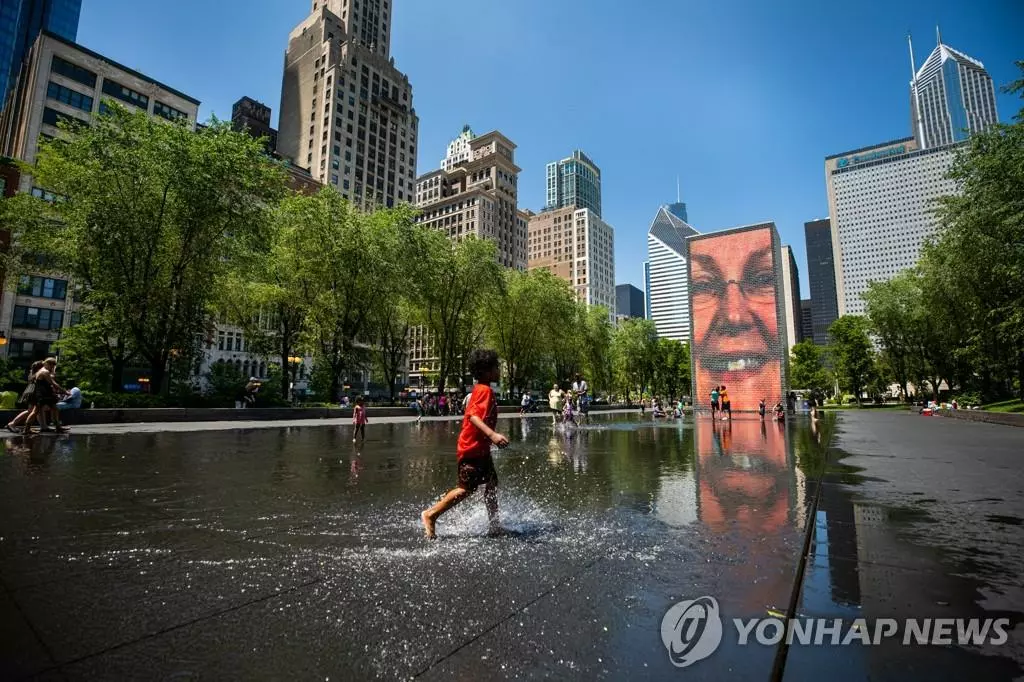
1005	406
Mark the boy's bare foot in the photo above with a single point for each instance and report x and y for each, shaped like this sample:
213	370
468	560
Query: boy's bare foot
495	530
428	525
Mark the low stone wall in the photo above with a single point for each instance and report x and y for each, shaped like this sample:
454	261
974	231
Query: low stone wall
1005	418
188	414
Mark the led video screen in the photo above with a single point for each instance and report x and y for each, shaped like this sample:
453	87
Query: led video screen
737	334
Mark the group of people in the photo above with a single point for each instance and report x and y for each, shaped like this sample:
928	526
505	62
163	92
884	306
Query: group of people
439	405
720	402
572	406
659	408
43	399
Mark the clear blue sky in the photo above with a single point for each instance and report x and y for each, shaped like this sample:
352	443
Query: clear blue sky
742	99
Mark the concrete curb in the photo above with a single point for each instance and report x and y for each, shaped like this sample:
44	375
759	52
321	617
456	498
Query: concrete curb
1004	418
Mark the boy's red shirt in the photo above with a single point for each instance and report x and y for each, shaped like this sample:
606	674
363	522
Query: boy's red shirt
472	441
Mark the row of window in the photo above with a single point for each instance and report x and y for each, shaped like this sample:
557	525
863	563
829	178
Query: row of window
53	117
42	287
38	318
68	96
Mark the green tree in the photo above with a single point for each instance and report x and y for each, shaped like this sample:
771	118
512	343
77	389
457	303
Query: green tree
895	312
517	321
457	279
672	368
852	353
806	368
596	346
152	218
350	263
389	327
635	352
979	255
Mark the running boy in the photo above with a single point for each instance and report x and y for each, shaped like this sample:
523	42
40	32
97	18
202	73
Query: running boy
726	404
714	402
474	449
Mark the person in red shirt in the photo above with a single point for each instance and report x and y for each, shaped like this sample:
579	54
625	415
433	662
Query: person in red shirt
474	448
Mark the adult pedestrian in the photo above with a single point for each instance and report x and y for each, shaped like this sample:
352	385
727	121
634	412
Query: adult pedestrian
582	391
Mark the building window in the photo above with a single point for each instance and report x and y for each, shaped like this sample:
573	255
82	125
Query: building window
72	71
38	318
46	195
52	117
168	112
28	351
69	96
43	287
127	95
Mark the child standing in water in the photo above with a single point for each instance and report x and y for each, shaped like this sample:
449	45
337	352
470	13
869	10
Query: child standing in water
474	449
760	408
359	420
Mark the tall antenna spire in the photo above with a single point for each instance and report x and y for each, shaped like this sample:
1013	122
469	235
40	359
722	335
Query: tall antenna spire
910	46
678	196
917	100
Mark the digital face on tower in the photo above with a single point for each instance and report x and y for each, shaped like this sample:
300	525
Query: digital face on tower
733	283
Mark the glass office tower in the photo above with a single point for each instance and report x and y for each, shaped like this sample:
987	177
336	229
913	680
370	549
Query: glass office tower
21	22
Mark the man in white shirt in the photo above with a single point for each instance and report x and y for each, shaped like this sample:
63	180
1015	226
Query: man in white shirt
581	390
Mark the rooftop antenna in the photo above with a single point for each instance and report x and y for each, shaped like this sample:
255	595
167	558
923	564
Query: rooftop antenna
913	88
678	196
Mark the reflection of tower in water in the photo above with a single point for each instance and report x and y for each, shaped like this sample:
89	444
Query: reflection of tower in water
746	478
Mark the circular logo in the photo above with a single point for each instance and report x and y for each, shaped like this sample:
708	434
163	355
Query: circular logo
691	631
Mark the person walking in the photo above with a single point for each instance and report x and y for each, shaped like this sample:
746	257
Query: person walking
359	420
582	391
27	399
723	396
555	398
714	402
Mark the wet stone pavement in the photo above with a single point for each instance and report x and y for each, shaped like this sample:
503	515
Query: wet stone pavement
290	553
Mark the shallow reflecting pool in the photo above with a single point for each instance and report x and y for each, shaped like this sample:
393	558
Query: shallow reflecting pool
293	553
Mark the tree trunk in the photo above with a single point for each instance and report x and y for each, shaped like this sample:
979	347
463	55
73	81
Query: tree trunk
333	388
1020	375
285	365
117	374
157	375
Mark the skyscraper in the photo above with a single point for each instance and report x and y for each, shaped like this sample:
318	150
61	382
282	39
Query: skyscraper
574	181
477	196
806	320
346	111
791	297
951	96
665	274
575	245
882	202
821	277
21	21
629	301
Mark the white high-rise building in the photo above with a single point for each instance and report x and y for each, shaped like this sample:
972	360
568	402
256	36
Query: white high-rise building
882	203
460	150
951	96
665	273
574	244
